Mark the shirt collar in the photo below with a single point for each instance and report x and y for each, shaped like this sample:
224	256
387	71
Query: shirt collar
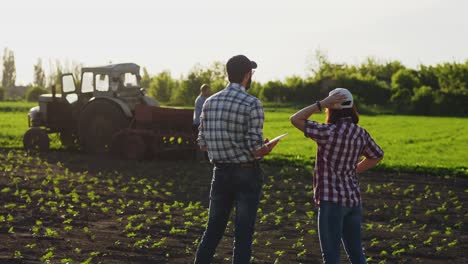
236	86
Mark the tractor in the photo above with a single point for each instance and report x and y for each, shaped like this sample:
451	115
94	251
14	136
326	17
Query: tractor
106	113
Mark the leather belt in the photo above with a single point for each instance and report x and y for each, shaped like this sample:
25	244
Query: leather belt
251	164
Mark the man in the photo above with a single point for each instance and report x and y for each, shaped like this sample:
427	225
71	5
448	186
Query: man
231	125
201	98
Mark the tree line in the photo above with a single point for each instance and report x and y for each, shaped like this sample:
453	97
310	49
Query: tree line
440	89
387	86
10	91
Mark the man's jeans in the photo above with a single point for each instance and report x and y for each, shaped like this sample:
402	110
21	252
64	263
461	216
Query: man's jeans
237	186
338	223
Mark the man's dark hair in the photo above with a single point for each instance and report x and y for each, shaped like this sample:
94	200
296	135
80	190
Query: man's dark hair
238	66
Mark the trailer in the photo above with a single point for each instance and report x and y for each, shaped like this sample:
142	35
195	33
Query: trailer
157	132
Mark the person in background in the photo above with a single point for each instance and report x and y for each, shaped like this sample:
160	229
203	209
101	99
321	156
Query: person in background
341	144
201	98
231	130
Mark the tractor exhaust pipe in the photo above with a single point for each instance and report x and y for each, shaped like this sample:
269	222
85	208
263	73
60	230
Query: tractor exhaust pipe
54	91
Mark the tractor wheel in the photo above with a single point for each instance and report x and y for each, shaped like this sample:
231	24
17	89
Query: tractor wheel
98	122
116	148
68	140
36	139
133	147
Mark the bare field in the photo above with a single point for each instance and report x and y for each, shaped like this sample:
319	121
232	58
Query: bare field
65	207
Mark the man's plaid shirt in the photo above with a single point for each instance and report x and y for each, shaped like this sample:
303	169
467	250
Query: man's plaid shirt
231	125
340	147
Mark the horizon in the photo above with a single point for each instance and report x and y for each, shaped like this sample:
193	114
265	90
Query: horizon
281	37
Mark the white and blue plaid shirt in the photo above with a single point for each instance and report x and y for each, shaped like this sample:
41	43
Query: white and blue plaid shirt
231	125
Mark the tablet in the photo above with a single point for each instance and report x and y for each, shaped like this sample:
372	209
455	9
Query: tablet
276	138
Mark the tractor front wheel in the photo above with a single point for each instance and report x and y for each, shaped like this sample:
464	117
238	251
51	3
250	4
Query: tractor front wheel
36	139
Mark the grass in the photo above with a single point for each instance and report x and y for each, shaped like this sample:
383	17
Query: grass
19	106
13	122
411	143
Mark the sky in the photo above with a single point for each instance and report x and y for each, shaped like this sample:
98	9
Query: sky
281	36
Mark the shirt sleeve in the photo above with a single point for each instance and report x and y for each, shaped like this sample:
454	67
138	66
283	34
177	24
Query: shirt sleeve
255	128
198	108
372	150
201	129
320	133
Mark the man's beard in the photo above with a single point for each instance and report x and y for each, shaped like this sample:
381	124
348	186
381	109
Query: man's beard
249	82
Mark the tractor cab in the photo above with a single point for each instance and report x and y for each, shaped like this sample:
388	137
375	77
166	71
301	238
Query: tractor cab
120	81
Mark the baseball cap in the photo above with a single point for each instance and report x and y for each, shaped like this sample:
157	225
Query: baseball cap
239	65
349	97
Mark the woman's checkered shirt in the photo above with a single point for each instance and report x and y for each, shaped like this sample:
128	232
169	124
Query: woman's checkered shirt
340	147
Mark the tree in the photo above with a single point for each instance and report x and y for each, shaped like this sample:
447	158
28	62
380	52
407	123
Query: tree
9	70
218	72
383	71
275	91
453	77
402	100
189	89
405	79
368	88
423	101
55	74
162	86
403	83
427	76
39	75
256	89
32	95
145	79
73	67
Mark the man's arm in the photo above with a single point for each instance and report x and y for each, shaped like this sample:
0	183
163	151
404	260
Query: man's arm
257	145
201	130
201	140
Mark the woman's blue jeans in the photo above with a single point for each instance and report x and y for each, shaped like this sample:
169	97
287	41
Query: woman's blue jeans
338	224
232	186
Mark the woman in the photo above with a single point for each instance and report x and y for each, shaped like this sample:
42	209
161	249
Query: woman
341	144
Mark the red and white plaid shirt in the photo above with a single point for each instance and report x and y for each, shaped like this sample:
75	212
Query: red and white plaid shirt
340	147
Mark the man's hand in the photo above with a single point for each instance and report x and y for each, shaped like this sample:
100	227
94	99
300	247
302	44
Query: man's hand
265	149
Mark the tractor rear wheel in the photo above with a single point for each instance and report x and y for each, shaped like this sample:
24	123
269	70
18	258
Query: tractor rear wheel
98	122
36	139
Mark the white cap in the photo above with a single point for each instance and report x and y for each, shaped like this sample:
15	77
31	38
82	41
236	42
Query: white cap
349	97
